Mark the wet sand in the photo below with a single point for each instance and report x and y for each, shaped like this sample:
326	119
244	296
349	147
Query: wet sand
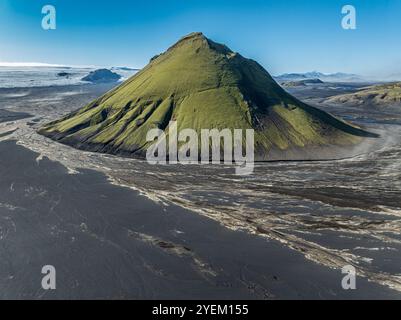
189	232
6	116
109	242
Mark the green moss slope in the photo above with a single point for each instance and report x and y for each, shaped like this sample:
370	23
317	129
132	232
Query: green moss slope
201	85
383	95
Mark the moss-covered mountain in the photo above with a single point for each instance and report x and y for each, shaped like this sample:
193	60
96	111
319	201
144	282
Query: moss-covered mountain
203	85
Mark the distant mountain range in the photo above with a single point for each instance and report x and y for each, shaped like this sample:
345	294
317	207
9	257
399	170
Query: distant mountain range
302	83
124	69
326	77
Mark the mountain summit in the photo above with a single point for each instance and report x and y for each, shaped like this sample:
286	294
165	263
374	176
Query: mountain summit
204	85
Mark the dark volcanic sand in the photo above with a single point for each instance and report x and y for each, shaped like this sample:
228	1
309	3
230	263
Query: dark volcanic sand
333	213
109	242
6	115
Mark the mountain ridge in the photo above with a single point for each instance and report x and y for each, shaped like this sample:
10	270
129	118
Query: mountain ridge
202	84
387	94
327	77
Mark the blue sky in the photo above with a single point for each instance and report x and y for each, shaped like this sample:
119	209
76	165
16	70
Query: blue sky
284	36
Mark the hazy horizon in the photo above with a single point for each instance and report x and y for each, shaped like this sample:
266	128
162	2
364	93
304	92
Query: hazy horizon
4	64
307	38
